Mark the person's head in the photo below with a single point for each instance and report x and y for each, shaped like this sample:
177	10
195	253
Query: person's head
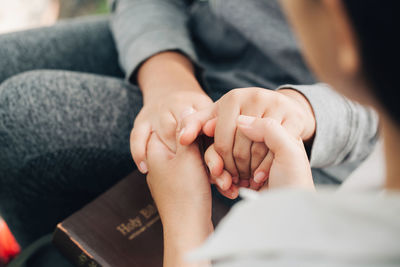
352	45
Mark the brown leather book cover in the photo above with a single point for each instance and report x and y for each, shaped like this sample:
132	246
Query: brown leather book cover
119	228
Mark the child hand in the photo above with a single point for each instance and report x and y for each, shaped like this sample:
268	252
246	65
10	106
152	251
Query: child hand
167	93
177	179
162	115
242	157
179	185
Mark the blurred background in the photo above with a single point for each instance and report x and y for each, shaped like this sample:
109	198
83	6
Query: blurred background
17	15
24	14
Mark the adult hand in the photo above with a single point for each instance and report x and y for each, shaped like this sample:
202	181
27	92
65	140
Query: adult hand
290	166
167	94
240	156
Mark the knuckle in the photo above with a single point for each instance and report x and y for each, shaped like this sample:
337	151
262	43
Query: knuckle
185	121
235	94
259	150
257	96
240	155
279	100
222	149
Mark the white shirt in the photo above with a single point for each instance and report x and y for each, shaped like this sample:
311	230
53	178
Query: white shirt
288	227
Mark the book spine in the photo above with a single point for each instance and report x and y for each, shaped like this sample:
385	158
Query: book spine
71	249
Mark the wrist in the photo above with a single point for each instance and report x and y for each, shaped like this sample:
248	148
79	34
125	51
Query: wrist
177	215
185	233
309	118
166	73
181	238
182	234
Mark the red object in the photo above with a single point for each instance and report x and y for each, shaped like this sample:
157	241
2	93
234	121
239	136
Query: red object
9	247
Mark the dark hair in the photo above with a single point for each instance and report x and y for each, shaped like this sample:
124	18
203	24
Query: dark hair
376	25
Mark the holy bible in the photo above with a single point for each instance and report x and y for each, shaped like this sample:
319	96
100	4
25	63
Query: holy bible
119	228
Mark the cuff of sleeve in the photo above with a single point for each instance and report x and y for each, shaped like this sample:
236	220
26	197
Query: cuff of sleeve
331	117
155	42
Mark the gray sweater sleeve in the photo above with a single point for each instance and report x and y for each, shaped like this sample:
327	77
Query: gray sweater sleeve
142	28
346	131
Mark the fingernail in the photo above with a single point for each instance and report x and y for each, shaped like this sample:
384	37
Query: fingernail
143	167
245	120
259	177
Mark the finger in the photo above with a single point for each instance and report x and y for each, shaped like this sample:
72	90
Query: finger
244	183
226	194
214	161
166	130
293	127
242	155
232	192
224	138
258	152
265	186
157	150
223	181
188	150
139	137
262	172
179	117
192	125
209	127
268	131
254	185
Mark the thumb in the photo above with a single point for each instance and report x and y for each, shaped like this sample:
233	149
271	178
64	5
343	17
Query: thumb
183	125
269	131
192	124
181	150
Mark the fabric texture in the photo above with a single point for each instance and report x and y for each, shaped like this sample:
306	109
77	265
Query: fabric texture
64	133
246	45
346	132
300	228
84	45
66	111
65	139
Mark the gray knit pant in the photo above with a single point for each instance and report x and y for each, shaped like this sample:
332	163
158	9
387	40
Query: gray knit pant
66	113
65	117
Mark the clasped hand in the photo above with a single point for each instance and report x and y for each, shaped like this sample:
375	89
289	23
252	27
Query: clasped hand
236	160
